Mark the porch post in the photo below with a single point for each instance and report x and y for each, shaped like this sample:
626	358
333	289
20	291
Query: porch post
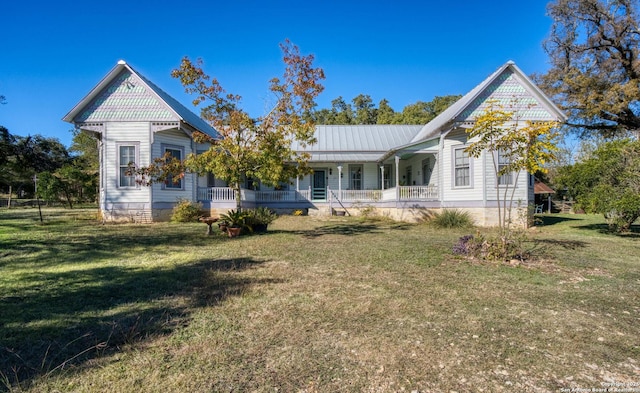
382	177
297	187
340	181
397	159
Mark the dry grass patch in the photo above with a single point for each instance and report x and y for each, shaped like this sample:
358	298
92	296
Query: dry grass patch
345	305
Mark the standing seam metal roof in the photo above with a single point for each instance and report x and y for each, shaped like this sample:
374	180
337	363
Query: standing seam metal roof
360	138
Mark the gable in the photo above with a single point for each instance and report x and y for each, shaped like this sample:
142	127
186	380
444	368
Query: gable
504	85
508	91
125	98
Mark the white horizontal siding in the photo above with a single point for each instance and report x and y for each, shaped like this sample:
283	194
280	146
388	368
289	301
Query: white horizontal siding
122	133
173	139
474	192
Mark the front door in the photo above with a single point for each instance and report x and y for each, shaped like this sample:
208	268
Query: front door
319	188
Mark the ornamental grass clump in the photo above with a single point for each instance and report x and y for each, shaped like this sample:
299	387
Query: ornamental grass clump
452	219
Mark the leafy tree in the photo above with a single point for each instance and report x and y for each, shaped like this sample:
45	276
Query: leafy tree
259	148
608	182
386	113
593	48
322	116
366	113
23	157
70	183
341	111
517	147
85	146
423	112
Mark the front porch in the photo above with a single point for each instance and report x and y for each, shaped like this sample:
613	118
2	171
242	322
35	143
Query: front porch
306	197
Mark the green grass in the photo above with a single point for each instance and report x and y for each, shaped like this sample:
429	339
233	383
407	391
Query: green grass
329	305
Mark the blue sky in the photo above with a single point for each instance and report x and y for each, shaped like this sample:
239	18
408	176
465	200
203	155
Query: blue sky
52	53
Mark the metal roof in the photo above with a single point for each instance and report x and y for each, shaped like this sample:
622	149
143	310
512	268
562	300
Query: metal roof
541	188
345	157
360	138
120	105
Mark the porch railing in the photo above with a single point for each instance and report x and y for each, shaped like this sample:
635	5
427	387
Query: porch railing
359	195
216	194
226	194
418	193
403	193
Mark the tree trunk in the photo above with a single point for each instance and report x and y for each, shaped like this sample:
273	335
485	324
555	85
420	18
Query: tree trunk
238	195
9	200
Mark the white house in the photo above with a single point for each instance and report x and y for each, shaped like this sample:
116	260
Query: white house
402	171
134	121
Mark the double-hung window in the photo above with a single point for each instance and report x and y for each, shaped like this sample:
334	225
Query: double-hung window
504	160
127	159
462	168
173	152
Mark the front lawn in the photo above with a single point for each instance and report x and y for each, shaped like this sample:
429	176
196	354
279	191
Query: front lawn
327	305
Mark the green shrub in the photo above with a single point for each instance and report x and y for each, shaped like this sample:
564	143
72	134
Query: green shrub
452	219
186	211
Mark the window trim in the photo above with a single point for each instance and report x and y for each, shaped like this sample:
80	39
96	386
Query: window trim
119	177
511	175
454	168
165	186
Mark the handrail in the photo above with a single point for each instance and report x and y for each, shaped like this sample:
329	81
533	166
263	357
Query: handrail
340	202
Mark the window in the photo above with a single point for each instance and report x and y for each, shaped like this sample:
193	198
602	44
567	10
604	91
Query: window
462	168
355	177
211	179
127	154
504	161
409	176
173	152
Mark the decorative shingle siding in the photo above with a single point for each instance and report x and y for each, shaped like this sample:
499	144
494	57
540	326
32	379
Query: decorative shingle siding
125	99
507	90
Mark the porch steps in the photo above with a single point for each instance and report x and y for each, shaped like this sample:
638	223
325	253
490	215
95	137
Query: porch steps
336	212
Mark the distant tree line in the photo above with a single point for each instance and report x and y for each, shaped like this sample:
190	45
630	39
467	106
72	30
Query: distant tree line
362	110
27	162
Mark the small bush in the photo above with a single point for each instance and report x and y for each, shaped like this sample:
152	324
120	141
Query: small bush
465	246
186	211
494	248
452	219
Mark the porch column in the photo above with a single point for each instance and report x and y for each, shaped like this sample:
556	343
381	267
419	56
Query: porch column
340	181
382	177
397	159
